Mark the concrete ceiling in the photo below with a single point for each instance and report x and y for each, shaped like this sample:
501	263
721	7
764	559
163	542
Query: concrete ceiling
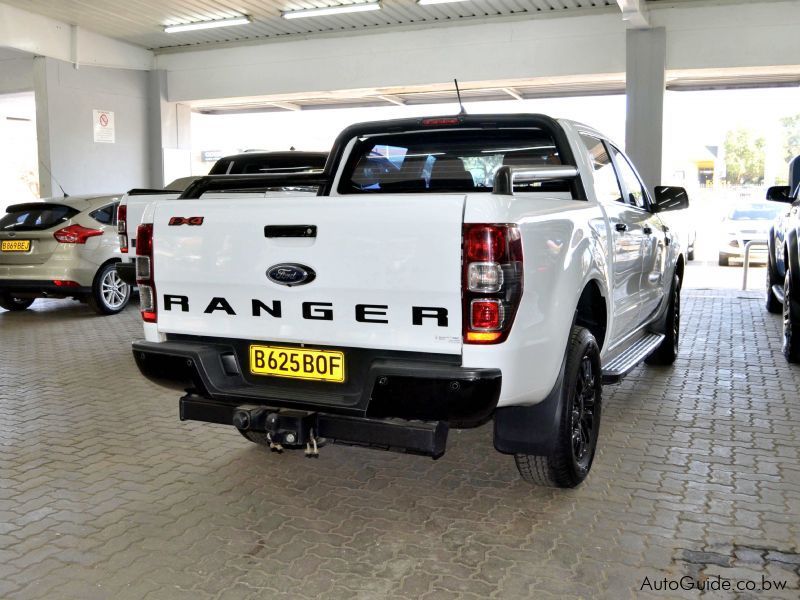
141	22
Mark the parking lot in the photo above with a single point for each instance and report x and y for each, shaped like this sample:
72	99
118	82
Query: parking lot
106	494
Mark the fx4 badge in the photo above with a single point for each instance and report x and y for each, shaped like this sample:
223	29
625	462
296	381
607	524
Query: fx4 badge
175	221
290	274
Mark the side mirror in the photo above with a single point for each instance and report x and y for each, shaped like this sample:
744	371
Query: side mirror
780	193
670	198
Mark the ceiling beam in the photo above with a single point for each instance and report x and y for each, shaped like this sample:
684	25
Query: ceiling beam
634	13
286	105
393	100
513	93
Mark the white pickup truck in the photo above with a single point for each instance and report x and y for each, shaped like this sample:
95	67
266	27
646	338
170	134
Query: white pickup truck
451	270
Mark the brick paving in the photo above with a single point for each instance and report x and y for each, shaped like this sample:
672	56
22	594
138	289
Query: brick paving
105	494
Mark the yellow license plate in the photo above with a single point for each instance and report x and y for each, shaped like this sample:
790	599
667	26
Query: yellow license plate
297	363
15	245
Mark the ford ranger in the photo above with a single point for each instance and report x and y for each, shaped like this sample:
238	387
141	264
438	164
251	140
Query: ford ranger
450	271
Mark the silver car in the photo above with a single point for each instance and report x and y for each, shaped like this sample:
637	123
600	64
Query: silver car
746	222
62	248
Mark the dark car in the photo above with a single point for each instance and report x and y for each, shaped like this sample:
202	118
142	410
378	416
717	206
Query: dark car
783	266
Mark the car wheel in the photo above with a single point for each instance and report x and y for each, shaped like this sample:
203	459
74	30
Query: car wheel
690	254
724	260
14	304
791	326
109	293
667	351
576	441
771	302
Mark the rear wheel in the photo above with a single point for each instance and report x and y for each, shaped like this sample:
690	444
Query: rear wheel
771	302
724	260
109	293
667	351
14	304
791	324
576	441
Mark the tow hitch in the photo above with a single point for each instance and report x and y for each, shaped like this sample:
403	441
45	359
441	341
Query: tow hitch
284	428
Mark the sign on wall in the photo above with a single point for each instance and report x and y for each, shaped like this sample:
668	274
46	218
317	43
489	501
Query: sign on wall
103	126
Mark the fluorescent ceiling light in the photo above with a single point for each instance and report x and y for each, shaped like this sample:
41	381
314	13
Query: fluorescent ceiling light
424	2
331	10
206	24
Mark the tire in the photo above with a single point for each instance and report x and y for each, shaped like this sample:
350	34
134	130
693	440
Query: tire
667	351
14	304
724	260
771	303
581	399
110	294
690	255
791	324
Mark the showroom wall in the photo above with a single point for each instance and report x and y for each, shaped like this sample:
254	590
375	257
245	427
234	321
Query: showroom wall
17	72
66	98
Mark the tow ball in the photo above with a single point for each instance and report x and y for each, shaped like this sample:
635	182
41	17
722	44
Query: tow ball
284	428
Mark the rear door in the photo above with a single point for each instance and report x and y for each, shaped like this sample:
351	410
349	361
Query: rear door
26	231
626	238
649	230
386	269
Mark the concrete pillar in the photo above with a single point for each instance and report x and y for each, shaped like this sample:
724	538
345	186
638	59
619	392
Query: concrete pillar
46	183
646	51
169	125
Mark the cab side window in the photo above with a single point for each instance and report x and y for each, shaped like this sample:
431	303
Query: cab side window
606	186
637	195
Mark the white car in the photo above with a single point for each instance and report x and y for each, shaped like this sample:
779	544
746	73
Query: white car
746	222
416	292
62	248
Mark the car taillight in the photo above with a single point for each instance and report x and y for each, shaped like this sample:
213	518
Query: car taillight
144	273
122	227
76	234
491	281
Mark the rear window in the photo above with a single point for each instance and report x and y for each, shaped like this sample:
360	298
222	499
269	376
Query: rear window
35	217
458	160
267	164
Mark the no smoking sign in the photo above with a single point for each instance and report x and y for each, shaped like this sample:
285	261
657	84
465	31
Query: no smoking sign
104	126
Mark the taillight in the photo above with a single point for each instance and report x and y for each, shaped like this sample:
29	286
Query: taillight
76	234
491	281
144	273
122	227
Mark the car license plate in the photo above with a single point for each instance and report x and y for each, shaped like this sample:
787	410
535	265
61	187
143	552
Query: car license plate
15	245
297	363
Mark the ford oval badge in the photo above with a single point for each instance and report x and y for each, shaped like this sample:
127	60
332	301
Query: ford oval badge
290	274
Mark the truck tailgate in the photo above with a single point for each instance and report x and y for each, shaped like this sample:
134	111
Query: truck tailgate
387	270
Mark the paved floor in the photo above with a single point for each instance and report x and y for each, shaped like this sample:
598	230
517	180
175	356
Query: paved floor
105	494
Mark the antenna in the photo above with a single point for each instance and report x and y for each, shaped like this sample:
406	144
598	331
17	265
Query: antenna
458	93
66	195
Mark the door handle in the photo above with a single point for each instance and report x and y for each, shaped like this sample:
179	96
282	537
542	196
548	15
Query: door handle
294	231
647	230
621	227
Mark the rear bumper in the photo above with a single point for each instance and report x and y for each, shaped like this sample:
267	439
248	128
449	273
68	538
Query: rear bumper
380	385
41	288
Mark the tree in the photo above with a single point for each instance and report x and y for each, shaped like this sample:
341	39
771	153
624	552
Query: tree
744	157
791	137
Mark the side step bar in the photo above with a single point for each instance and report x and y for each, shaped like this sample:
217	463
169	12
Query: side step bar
623	364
